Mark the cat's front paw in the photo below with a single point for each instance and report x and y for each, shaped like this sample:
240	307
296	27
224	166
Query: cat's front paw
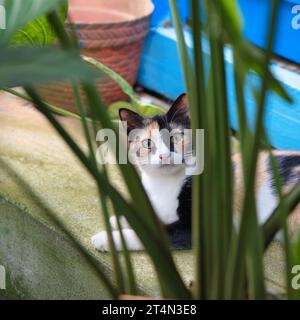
123	222
100	241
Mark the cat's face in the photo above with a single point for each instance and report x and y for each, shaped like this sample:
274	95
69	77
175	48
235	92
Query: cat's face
160	144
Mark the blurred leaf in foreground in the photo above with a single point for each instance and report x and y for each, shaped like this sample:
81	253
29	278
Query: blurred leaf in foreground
39	31
24	66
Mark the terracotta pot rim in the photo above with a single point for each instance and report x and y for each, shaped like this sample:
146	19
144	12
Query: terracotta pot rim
79	25
132	20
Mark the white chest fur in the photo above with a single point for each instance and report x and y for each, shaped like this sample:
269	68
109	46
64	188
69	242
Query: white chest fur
163	191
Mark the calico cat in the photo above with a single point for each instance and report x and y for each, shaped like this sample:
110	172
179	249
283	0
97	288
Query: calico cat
169	188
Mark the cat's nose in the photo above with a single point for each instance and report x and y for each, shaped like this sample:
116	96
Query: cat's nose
164	156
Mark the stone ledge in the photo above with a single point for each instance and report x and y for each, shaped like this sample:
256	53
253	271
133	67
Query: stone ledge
41	262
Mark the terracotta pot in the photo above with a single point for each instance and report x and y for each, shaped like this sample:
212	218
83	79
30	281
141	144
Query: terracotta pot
111	31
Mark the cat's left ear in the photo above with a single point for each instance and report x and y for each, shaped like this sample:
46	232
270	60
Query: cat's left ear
179	111
132	119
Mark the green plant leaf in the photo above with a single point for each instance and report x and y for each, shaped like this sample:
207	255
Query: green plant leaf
19	13
144	110
114	108
124	85
150	110
229	16
253	58
39	31
57	110
25	66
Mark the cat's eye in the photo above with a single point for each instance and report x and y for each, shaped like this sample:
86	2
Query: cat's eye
147	143
177	137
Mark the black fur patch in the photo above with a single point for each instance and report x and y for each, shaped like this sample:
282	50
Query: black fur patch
180	231
288	165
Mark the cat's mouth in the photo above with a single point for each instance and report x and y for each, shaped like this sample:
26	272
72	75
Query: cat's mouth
165	165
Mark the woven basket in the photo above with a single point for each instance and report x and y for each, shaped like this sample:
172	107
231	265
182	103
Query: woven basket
113	33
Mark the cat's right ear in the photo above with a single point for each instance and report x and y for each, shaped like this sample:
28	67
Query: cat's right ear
133	119
179	111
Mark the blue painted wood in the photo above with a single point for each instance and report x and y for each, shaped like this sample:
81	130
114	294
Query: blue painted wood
162	12
256	14
160	71
256	17
160	65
